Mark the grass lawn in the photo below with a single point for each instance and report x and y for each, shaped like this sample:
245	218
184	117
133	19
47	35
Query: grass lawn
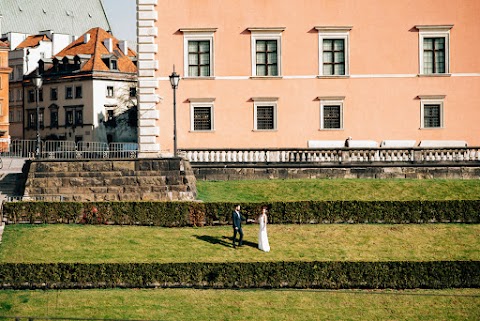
335	242
337	189
191	304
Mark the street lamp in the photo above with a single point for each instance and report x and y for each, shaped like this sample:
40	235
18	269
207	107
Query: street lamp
37	82
174	80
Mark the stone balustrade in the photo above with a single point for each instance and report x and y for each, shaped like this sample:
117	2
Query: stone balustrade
335	156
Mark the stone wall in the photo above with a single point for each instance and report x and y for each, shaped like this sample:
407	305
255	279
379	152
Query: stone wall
374	172
113	180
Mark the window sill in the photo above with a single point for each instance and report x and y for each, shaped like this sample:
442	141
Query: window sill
266	77
201	131
431	128
199	78
330	129
264	130
333	77
434	75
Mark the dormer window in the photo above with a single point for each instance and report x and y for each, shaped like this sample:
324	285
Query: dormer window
113	64
111	61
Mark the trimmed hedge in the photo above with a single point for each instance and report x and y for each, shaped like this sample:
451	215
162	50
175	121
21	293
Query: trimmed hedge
321	275
176	214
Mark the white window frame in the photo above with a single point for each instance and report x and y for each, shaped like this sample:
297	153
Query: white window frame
266	34
107	93
341	32
440	31
432	100
265	101
328	101
202	102
198	34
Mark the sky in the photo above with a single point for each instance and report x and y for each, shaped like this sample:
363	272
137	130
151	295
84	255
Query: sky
122	17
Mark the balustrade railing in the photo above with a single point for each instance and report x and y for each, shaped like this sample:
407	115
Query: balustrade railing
334	155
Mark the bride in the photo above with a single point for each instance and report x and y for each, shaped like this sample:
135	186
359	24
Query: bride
262	233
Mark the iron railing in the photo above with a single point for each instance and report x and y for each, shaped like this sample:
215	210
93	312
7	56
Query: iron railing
69	150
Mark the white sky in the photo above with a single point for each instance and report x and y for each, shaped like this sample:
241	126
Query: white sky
122	17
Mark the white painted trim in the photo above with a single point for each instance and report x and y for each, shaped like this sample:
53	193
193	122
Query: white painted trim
266	34
429	100
339	101
200	35
275	112
432	32
198	103
334	33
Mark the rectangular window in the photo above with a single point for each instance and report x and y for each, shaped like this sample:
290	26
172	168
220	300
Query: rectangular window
53	94
333	42
10	95
78	117
434	55
266	58
69	92
199	58
434	49
78	91
331	117
202	118
333	57
54	118
69	118
31	96
265	118
431	116
19	116
19	95
109	91
40	94
32	120
11	116
133	91
41	118
198	51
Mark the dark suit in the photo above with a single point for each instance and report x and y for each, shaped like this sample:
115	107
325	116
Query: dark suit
237	227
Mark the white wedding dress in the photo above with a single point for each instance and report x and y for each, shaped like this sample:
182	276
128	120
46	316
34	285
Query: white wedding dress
262	234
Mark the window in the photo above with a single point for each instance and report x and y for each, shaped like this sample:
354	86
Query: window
40	94
68	92
41	118
434	49
109	91
11	116
19	94
198	52
265	113
10	95
53	93
432	115
53	116
266	51
333	51
133	91
78	91
78	116
113	64
69	117
201	114
331	112
32	119
31	96
19	115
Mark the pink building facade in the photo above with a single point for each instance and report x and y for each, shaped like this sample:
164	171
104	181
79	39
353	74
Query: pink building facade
289	74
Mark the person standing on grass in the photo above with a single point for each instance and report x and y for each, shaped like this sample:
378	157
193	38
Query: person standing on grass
237	225
263	244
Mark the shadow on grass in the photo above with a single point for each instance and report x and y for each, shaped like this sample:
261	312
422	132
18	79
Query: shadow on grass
226	241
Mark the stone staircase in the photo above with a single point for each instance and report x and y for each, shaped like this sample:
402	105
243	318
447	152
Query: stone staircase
12	178
112	180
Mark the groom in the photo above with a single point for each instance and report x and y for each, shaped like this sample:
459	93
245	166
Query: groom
237	225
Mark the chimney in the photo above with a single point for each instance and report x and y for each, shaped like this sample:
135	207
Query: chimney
108	42
86	38
123	46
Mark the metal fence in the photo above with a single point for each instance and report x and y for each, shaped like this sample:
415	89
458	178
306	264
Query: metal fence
69	150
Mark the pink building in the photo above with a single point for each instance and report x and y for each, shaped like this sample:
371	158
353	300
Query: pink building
283	73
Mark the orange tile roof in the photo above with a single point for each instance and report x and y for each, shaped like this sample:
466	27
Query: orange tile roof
32	41
3	44
96	48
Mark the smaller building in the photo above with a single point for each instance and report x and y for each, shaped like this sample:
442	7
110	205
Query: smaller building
88	92
4	75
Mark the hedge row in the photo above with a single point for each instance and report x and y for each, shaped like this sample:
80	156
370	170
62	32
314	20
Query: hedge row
321	275
176	214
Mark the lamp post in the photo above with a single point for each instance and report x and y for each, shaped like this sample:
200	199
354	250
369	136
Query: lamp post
37	82
174	80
